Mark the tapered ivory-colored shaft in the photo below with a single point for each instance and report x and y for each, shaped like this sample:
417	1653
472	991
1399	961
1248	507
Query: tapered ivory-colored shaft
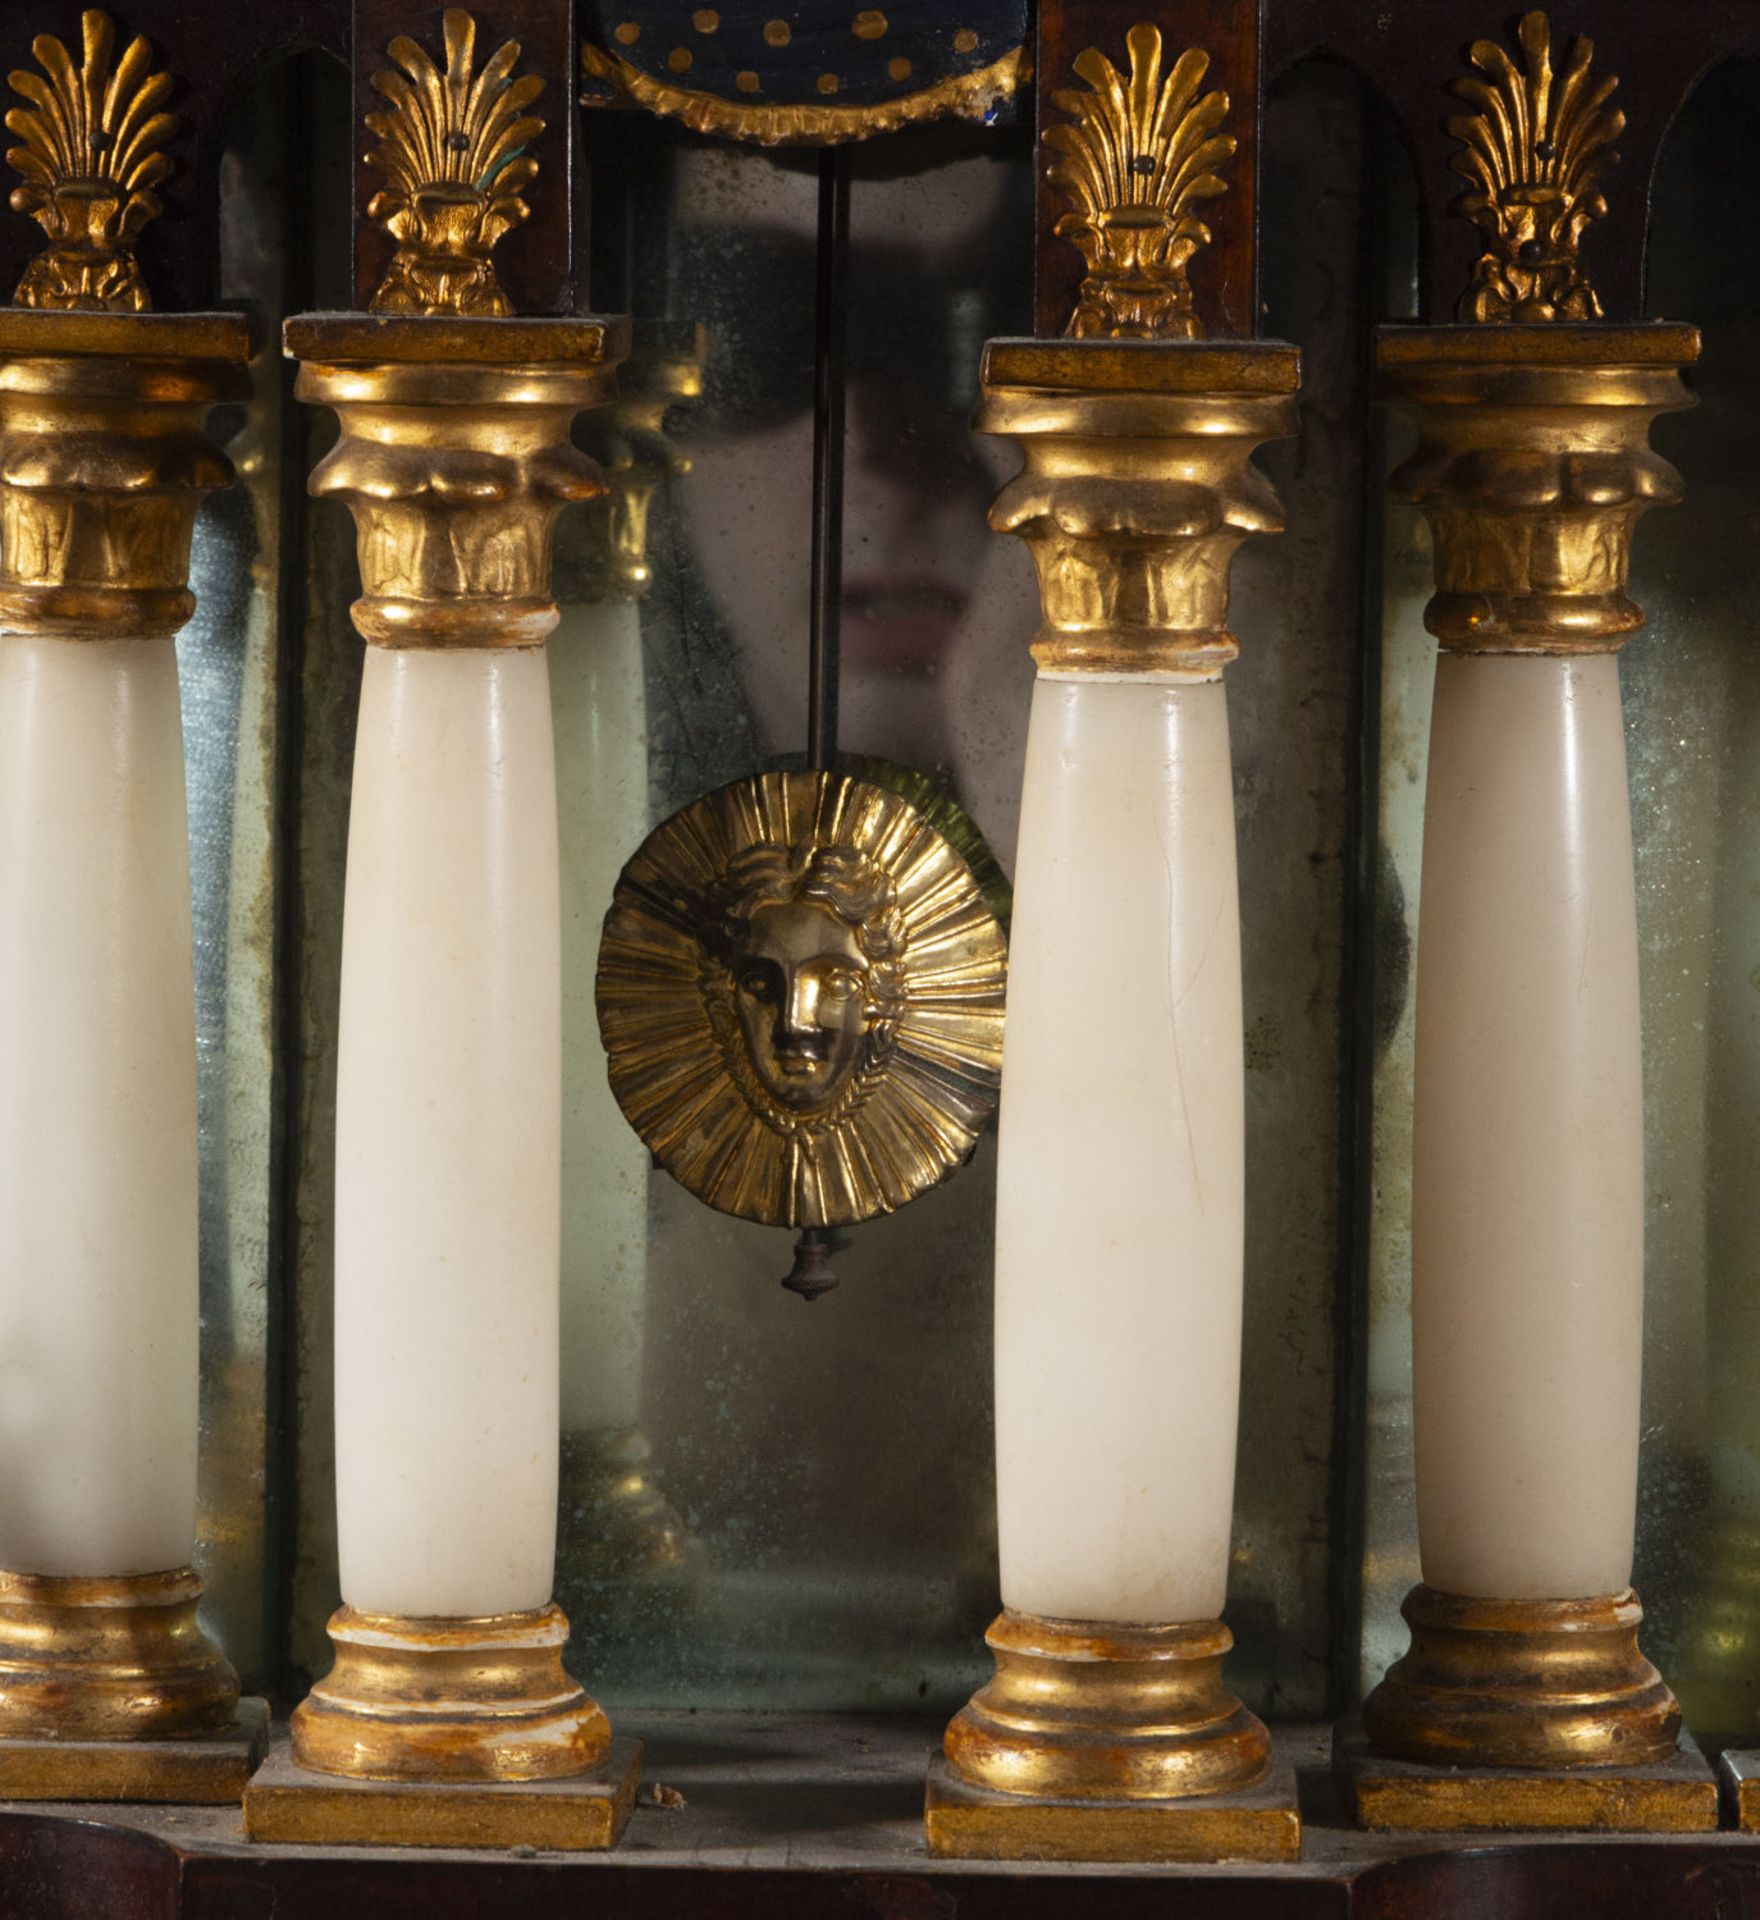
1533	467
1528	1153
448	1129
99	1314
1119	1224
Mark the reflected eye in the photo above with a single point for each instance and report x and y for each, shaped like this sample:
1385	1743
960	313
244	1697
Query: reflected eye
757	983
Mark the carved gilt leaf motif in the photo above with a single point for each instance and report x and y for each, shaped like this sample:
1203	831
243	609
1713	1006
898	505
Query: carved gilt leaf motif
451	146
1532	154
1136	159
93	149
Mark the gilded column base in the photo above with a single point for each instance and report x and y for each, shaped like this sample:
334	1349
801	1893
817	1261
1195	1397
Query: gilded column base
1523	1683
1523	1713
483	1699
1100	1742
112	1657
446	1733
110	1690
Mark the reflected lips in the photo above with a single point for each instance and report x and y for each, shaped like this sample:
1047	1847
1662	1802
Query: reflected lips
902	624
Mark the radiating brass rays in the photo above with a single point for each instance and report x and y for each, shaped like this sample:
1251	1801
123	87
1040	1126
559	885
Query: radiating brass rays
800	991
1532	153
1136	158
94	140
452	147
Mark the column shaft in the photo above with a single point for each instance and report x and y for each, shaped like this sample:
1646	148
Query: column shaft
1533	467
1528	1196
1119	1183
448	1122
98	1121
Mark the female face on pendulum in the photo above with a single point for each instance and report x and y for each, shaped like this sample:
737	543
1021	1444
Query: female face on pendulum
801	989
933	607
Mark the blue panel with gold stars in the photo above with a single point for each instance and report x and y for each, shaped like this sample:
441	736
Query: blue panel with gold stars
809	74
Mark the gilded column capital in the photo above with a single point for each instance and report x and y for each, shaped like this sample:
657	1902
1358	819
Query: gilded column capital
1533	467
455	459
1138	486
104	459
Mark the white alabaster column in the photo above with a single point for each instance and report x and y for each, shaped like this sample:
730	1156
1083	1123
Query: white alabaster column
448	1130
104	460
1533	467
1119	1182
454	457
1119	1198
98	1307
602	761
1528	1149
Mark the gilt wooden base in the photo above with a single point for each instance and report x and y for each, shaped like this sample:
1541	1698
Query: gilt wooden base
289	1805
973	1823
1674	1795
1738	1775
202	1769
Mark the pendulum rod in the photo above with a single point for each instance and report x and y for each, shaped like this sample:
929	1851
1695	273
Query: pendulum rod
830	313
811	1274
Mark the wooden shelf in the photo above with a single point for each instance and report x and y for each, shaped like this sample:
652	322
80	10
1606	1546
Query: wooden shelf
818	1818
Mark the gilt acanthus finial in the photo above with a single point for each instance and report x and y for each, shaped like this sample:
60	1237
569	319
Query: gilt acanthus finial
452	147
1532	153
1136	158
94	140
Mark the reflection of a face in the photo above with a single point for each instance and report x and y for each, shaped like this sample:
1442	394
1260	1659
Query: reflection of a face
933	606
800	988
